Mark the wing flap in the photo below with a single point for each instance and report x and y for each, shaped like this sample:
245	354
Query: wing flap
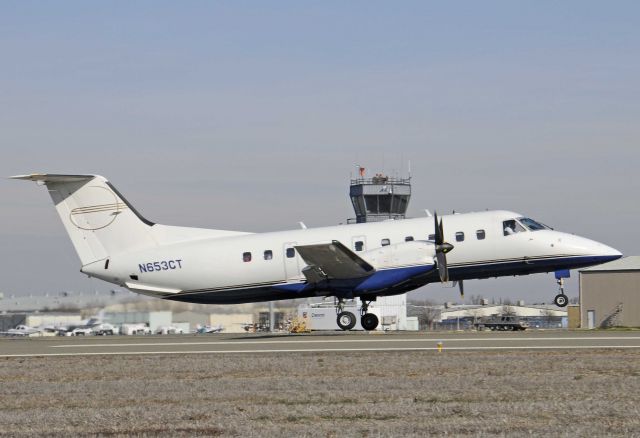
332	261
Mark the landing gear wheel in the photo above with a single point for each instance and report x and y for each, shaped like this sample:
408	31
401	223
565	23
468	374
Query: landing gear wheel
561	300
347	320
369	321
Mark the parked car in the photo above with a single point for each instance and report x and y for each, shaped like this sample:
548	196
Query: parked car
105	329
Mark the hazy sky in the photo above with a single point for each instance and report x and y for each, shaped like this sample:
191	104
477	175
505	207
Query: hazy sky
252	115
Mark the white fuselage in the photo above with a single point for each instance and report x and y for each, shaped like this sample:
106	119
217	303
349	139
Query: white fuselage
265	266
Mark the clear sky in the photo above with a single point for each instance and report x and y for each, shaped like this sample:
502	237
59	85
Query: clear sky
252	115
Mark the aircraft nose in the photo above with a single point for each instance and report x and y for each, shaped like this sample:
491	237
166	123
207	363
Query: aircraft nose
599	251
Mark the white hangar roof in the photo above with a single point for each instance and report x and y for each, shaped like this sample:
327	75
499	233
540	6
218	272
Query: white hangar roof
631	263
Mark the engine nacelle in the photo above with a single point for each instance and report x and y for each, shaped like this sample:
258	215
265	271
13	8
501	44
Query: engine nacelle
401	254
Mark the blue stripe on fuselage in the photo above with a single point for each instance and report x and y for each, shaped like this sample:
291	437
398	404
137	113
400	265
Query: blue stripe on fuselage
390	281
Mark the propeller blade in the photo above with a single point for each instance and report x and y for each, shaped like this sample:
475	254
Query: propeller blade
441	258
439	239
461	285
441	249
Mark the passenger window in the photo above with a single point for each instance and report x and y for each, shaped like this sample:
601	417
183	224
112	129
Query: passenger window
385	242
408	239
480	234
291	252
268	254
246	257
432	237
359	245
512	227
459	236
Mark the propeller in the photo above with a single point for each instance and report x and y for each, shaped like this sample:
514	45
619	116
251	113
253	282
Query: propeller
441	248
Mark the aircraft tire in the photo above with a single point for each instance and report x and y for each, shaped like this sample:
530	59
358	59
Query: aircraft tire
561	300
369	321
346	320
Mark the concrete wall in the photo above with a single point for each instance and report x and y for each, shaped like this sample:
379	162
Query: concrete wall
38	319
573	313
602	292
154	319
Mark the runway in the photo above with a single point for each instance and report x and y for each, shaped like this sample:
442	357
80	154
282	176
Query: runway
335	342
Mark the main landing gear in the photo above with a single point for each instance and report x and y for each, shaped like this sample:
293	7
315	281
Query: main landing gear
561	300
347	320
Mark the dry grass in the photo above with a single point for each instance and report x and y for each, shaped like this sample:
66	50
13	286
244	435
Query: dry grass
550	393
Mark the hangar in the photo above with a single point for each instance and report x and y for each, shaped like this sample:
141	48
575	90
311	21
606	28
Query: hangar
610	294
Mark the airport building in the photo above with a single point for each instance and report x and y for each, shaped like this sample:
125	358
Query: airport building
610	294
374	199
66	300
460	317
379	198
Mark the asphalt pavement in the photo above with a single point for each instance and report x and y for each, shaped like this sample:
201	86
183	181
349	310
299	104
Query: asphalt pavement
227	343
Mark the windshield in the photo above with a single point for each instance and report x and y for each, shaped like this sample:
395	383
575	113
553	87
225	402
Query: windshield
512	226
531	224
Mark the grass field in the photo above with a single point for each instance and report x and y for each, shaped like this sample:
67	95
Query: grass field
541	393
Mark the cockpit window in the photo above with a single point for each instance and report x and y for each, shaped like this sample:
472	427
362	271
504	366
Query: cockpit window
512	226
532	225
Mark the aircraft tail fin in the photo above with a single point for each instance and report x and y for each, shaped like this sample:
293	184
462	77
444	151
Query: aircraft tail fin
99	221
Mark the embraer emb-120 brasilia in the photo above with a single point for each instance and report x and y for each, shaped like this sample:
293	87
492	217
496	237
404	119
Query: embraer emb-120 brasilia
116	244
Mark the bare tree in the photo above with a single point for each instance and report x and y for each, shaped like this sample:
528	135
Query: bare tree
548	316
428	314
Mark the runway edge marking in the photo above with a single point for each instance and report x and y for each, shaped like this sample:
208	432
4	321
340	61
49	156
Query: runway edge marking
321	350
343	341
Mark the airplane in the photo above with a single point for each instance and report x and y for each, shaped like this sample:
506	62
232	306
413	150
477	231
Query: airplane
115	243
22	330
209	328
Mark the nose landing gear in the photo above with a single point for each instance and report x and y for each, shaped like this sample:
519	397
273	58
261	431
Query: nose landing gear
561	300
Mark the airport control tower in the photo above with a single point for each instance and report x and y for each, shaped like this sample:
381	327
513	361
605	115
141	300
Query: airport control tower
379	198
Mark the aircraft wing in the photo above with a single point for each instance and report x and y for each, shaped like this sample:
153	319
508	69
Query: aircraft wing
332	261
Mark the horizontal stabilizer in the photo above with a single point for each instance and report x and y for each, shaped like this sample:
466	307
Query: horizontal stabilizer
51	177
332	261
